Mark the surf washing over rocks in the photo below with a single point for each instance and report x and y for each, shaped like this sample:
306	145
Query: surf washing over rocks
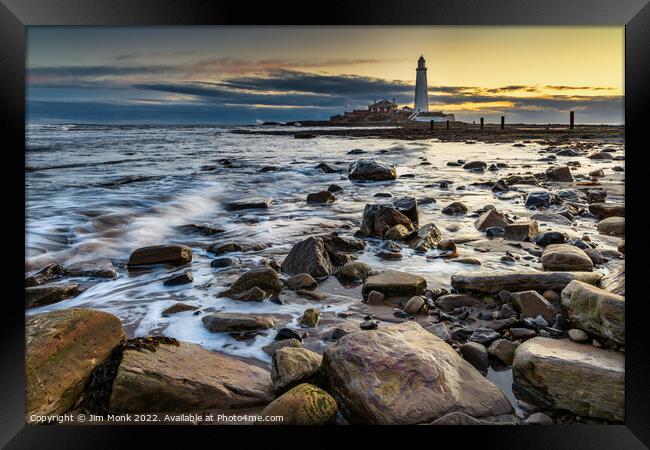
332	279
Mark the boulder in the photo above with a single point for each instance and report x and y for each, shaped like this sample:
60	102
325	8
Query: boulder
253	294
424	239
63	348
94	269
409	207
387	217
395	284
305	404
250	203
414	305
47	273
490	219
550	237
371	170
541	199
292	365
562	174
521	231
321	197
301	281
277	345
186	378
502	350
566	257
178	279
560	374
455	208
236	322
476	355
612	226
402	374
604	210
219	249
178	307
546	216
263	278
334	188
354	271
396	233
450	302
475	165
493	282
160	254
310	317
49	294
308	256
595	310
531	304
439	330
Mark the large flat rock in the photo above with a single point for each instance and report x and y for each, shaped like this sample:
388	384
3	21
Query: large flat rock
186	378
493	282
402	374
249	203
395	284
63	349
562	374
566	257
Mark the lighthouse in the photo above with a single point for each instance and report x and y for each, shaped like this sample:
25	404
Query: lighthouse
421	95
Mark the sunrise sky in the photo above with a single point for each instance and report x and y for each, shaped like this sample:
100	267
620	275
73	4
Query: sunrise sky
247	74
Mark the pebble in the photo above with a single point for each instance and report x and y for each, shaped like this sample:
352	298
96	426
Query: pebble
578	335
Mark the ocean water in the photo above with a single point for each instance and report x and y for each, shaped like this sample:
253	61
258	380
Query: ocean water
99	192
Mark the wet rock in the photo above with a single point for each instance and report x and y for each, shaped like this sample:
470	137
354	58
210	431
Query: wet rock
308	256
612	226
596	195
560	374
568	152
577	335
604	210
439	330
224	262
424	239
597	173
354	271
178	307
47	273
264	278
321	197
544	217
186	377
468	260
369	324
551	296
63	348
251	203
561	174
489	219
360	369
94	269
550	237
409	207
566	257
334	188
531	304
292	365
495	232
287	333
493	282
205	230
600	155
371	170
414	305
219	249
500	186
450	302
595	255
447	246
541	199
181	278
301	281
377	219
326	168
476	355
396	233
521	231
254	294
484	336
375	298
522	333
49	294
395	284
455	208
614	281
310	317
595	310
161	254
235	322
502	350
305	404
458	418
475	165
276	345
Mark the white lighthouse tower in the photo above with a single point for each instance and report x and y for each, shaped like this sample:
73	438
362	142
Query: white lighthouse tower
421	95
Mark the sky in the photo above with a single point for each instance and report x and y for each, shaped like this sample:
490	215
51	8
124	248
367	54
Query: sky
246	74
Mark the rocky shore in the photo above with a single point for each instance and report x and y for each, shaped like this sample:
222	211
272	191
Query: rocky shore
377	343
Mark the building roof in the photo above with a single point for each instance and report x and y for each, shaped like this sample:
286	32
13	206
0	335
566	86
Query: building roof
384	103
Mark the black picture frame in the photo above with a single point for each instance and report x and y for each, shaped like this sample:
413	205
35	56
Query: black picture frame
15	15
